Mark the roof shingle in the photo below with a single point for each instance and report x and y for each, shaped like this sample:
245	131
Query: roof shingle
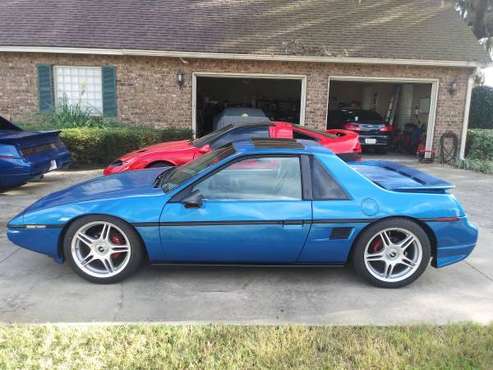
391	29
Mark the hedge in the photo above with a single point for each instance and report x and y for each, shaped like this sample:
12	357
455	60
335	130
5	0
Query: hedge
479	151
480	144
100	146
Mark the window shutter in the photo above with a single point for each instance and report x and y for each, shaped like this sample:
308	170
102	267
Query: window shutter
109	91
45	88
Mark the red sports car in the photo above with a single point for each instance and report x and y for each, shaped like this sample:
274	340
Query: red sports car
175	153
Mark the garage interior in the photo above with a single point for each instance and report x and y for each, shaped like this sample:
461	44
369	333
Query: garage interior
280	99
406	106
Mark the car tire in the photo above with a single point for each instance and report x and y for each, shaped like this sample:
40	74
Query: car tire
392	253
103	249
160	164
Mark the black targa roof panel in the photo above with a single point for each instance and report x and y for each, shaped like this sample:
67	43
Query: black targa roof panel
276	143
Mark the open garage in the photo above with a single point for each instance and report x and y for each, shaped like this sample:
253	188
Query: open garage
407	107
280	97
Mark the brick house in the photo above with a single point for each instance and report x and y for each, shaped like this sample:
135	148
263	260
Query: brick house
176	63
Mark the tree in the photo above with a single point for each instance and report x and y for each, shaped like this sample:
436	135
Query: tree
478	14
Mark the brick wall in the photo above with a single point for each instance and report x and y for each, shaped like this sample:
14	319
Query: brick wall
148	93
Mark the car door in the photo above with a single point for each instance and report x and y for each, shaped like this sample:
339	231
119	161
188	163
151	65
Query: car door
337	217
252	211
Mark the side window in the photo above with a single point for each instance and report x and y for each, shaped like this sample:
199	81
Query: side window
299	135
242	133
324	186
265	178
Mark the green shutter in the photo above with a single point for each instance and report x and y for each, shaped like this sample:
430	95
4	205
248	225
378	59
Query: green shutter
45	87
109	91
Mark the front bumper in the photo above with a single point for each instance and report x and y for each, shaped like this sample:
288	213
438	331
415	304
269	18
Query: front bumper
41	240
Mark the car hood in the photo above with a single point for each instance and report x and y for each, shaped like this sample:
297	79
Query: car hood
128	184
169	146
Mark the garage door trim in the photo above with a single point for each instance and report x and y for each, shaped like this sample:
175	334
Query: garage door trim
435	84
302	78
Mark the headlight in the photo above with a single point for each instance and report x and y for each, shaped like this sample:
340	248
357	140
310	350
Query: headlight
9	151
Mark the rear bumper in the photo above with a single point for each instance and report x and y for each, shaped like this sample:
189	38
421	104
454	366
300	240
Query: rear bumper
18	171
370	140
454	241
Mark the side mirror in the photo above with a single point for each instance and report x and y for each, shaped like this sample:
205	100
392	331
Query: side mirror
194	200
205	149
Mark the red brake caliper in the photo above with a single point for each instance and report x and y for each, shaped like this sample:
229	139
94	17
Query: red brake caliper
376	245
117	239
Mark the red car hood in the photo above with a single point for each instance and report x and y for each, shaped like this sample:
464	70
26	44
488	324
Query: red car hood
170	146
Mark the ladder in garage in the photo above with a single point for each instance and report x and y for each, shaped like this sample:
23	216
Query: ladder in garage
394	101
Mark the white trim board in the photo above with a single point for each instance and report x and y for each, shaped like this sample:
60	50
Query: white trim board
234	56
301	78
435	84
465	124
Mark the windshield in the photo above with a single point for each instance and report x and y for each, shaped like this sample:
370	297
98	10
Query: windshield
187	171
361	115
209	138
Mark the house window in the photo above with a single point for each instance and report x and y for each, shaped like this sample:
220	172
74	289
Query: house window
79	86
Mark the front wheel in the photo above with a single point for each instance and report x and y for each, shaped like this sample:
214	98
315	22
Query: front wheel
392	253
103	249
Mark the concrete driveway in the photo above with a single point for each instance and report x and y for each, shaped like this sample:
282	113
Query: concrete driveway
35	289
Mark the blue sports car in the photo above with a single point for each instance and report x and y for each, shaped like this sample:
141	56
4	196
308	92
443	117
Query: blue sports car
26	155
256	202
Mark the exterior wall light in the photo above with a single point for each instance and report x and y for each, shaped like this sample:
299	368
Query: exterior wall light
180	79
452	87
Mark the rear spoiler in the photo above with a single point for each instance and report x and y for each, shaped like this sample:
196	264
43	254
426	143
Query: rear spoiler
396	177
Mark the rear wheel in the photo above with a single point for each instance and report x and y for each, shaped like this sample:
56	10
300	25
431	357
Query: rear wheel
392	253
103	249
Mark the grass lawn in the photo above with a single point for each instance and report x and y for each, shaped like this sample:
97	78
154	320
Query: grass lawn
245	347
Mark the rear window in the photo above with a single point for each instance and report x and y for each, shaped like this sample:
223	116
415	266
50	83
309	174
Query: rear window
361	115
324	186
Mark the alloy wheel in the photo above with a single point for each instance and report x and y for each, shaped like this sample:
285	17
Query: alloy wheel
393	255
101	249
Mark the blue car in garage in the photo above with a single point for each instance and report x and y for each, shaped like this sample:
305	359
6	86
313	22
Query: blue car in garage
27	155
261	202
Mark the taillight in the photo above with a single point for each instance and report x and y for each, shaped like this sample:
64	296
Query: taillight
351	126
387	128
357	147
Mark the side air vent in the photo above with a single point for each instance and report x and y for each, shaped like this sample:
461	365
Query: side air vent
340	233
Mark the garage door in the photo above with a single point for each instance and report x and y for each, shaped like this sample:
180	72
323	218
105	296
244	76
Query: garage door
389	114
279	98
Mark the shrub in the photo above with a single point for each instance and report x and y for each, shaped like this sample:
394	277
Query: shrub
480	145
67	116
481	115
100	146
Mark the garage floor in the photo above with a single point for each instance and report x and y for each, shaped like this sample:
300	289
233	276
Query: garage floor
35	289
